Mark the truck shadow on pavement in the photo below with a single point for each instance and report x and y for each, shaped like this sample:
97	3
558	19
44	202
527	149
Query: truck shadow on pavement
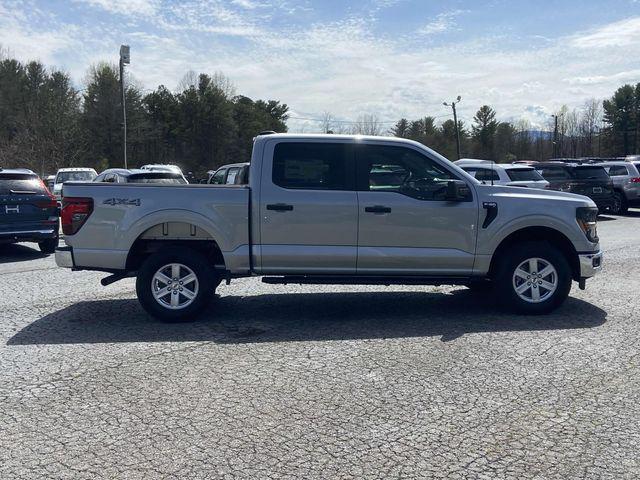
302	317
11	253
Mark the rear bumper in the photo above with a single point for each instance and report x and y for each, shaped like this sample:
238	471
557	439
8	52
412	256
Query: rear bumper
64	257
28	235
590	264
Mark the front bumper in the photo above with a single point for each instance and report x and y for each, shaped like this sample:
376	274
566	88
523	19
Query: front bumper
64	257
590	264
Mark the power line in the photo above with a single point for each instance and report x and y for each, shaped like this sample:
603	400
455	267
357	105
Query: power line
330	120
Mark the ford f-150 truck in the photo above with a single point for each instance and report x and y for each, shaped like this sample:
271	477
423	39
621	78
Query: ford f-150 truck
327	209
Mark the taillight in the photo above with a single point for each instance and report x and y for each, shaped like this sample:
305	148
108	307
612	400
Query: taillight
635	180
49	194
75	211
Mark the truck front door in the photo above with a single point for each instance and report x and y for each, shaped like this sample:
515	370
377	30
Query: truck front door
308	207
407	227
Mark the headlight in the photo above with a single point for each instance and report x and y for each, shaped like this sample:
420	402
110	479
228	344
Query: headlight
587	220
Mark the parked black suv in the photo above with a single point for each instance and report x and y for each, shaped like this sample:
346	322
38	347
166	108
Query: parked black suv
28	211
589	180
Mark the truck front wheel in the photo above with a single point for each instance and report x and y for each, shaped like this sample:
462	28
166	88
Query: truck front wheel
534	278
176	284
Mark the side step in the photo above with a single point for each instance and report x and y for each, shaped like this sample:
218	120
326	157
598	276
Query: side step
365	280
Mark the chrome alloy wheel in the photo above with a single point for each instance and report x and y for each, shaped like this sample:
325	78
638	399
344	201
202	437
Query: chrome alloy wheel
174	286
535	280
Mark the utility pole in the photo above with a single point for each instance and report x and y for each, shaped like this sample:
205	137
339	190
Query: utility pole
455	121
555	137
125	59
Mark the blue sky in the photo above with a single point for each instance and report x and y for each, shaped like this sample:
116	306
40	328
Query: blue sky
392	58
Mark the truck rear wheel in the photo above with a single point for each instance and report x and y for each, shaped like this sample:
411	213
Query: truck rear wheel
534	278
176	284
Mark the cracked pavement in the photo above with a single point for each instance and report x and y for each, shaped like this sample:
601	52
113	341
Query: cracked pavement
319	381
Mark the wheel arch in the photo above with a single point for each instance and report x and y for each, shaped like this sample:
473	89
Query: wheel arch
174	234
541	234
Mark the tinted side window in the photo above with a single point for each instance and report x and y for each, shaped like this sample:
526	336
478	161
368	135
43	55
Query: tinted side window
231	176
618	171
312	166
402	170
218	177
486	175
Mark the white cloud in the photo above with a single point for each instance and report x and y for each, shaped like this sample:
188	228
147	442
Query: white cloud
124	7
442	23
618	34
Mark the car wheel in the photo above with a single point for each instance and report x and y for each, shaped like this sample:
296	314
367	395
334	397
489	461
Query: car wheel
534	278
48	246
176	284
620	206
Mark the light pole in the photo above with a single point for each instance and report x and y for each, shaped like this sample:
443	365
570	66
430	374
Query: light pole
455	121
556	150
125	59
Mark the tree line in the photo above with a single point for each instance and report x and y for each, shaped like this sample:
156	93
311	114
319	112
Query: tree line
610	128
46	123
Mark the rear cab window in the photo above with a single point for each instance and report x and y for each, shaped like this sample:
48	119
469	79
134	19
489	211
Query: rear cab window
157	178
232	174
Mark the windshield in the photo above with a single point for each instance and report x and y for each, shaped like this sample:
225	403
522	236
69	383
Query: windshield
19	183
86	176
162	178
524	175
590	173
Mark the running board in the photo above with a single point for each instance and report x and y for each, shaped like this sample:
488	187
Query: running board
365	280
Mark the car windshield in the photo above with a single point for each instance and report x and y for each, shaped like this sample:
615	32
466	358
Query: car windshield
157	177
524	175
20	183
85	176
590	173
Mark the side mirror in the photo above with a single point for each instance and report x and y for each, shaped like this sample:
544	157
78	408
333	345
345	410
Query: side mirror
457	191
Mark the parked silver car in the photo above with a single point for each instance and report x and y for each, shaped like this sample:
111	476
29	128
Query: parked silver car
626	184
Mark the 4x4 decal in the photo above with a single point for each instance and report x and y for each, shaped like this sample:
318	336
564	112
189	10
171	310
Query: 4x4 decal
122	201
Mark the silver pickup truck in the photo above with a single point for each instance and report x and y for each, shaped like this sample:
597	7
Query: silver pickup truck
327	209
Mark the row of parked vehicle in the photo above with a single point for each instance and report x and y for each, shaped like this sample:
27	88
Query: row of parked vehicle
30	208
614	185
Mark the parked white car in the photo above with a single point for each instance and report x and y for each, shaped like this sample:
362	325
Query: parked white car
72	174
503	174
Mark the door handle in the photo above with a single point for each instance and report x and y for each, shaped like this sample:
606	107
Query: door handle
377	209
280	207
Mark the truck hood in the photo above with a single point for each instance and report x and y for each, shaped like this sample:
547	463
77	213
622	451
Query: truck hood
546	197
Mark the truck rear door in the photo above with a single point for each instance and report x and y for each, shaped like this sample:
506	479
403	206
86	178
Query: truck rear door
308	207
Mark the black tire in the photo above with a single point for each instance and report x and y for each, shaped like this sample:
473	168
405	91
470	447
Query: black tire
49	246
620	206
206	281
506	282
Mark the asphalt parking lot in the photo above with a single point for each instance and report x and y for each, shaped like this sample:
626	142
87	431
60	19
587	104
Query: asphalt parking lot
319	382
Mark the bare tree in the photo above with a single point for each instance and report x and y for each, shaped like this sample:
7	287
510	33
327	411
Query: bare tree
326	122
188	80
367	124
590	121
